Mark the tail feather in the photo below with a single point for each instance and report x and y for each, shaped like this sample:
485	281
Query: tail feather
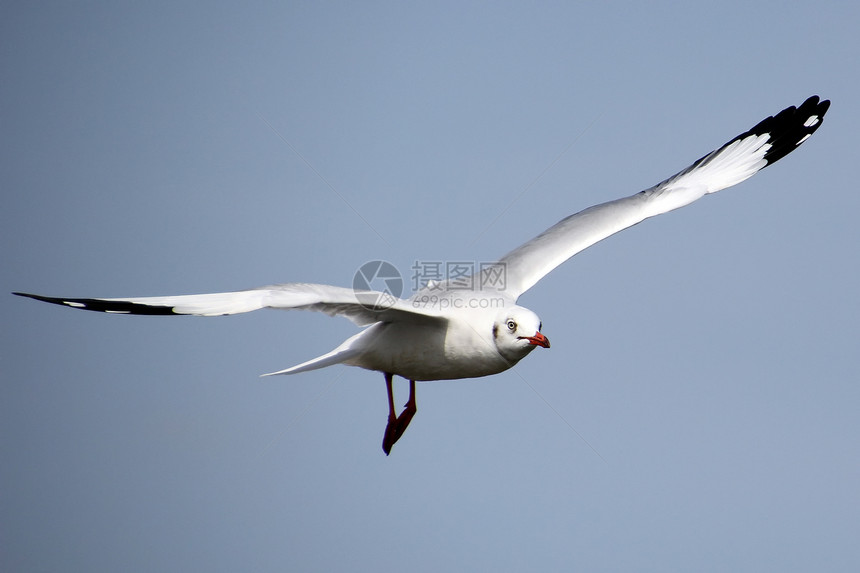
336	356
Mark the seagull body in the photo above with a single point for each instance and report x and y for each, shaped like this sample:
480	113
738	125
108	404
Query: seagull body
453	346
445	331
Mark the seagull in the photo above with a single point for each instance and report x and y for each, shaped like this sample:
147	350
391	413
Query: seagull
469	328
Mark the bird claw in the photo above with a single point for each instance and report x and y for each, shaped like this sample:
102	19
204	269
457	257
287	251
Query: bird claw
397	424
395	428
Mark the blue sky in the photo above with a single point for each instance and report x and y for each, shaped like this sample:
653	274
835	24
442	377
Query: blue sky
697	409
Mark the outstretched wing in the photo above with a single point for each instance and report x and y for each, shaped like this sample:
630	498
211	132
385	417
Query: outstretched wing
361	307
739	159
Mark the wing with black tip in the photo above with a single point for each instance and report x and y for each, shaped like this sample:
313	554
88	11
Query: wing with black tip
361	307
745	155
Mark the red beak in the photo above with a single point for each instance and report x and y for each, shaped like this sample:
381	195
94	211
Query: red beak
538	340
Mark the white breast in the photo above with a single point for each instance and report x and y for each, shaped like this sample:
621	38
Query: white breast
442	351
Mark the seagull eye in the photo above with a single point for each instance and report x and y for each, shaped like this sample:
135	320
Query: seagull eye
512	326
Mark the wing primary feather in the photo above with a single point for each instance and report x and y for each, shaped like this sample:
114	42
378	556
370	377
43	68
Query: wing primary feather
103	305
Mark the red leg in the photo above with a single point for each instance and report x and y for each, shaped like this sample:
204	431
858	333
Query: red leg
388	384
397	424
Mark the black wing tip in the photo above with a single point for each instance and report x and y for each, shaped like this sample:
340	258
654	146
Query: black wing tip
102	305
39	297
790	127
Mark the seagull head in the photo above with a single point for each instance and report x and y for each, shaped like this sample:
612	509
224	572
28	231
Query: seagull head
516	332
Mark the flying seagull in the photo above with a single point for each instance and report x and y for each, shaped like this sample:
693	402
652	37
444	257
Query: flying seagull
445	331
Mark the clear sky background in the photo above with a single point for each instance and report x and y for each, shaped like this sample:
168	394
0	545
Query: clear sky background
698	409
